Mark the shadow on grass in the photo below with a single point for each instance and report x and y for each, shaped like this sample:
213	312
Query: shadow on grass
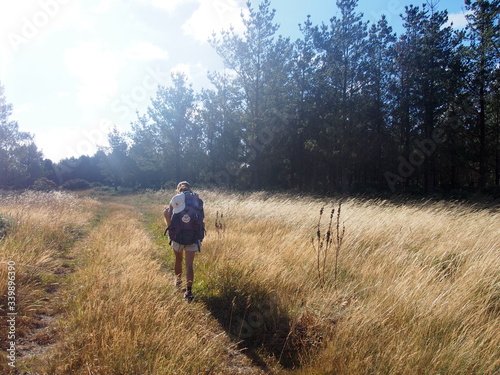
254	320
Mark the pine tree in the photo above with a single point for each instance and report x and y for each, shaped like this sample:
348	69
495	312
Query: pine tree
117	165
171	129
483	36
260	65
426	55
305	163
221	115
342	46
379	99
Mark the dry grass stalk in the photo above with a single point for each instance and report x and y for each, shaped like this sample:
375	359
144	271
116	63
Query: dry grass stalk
220	227
340	238
321	244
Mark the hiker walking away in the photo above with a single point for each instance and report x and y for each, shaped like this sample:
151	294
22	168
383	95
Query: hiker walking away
184	219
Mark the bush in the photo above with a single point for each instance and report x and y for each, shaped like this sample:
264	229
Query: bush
76	184
44	184
169	185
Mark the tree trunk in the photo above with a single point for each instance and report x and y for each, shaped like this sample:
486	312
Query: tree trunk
483	167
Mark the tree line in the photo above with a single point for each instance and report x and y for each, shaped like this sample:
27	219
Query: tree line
349	107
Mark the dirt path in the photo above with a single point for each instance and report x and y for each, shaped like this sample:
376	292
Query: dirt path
44	325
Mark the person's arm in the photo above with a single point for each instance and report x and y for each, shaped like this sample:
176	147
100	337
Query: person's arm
167	215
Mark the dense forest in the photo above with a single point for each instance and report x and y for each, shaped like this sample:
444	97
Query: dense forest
349	107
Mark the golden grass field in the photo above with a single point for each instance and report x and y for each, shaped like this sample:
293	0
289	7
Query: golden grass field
416	291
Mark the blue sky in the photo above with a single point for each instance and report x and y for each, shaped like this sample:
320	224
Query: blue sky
73	69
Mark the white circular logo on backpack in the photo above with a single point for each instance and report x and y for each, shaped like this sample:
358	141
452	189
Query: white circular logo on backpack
186	219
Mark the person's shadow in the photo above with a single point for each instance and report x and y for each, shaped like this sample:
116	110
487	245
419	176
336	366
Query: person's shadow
256	324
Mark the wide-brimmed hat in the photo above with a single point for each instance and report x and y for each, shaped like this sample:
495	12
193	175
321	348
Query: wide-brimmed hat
178	202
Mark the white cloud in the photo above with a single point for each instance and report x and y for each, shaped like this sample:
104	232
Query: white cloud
58	143
97	69
11	13
16	111
196	74
145	51
458	20
103	6
214	16
54	141
23	22
168	5
182	68
5	63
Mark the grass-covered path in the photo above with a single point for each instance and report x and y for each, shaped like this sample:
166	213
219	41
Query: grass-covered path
115	310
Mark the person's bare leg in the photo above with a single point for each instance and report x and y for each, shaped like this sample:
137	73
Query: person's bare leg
189	268
178	267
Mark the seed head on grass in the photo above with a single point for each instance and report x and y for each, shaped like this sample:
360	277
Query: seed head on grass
321	245
323	241
220	226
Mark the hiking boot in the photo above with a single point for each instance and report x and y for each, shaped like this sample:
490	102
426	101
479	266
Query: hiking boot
188	296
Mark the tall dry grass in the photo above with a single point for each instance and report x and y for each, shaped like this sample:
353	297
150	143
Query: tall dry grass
41	225
416	289
39	230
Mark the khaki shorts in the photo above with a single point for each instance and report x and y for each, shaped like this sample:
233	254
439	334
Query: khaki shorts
178	247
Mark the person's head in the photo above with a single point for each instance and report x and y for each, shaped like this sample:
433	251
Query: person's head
183	186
